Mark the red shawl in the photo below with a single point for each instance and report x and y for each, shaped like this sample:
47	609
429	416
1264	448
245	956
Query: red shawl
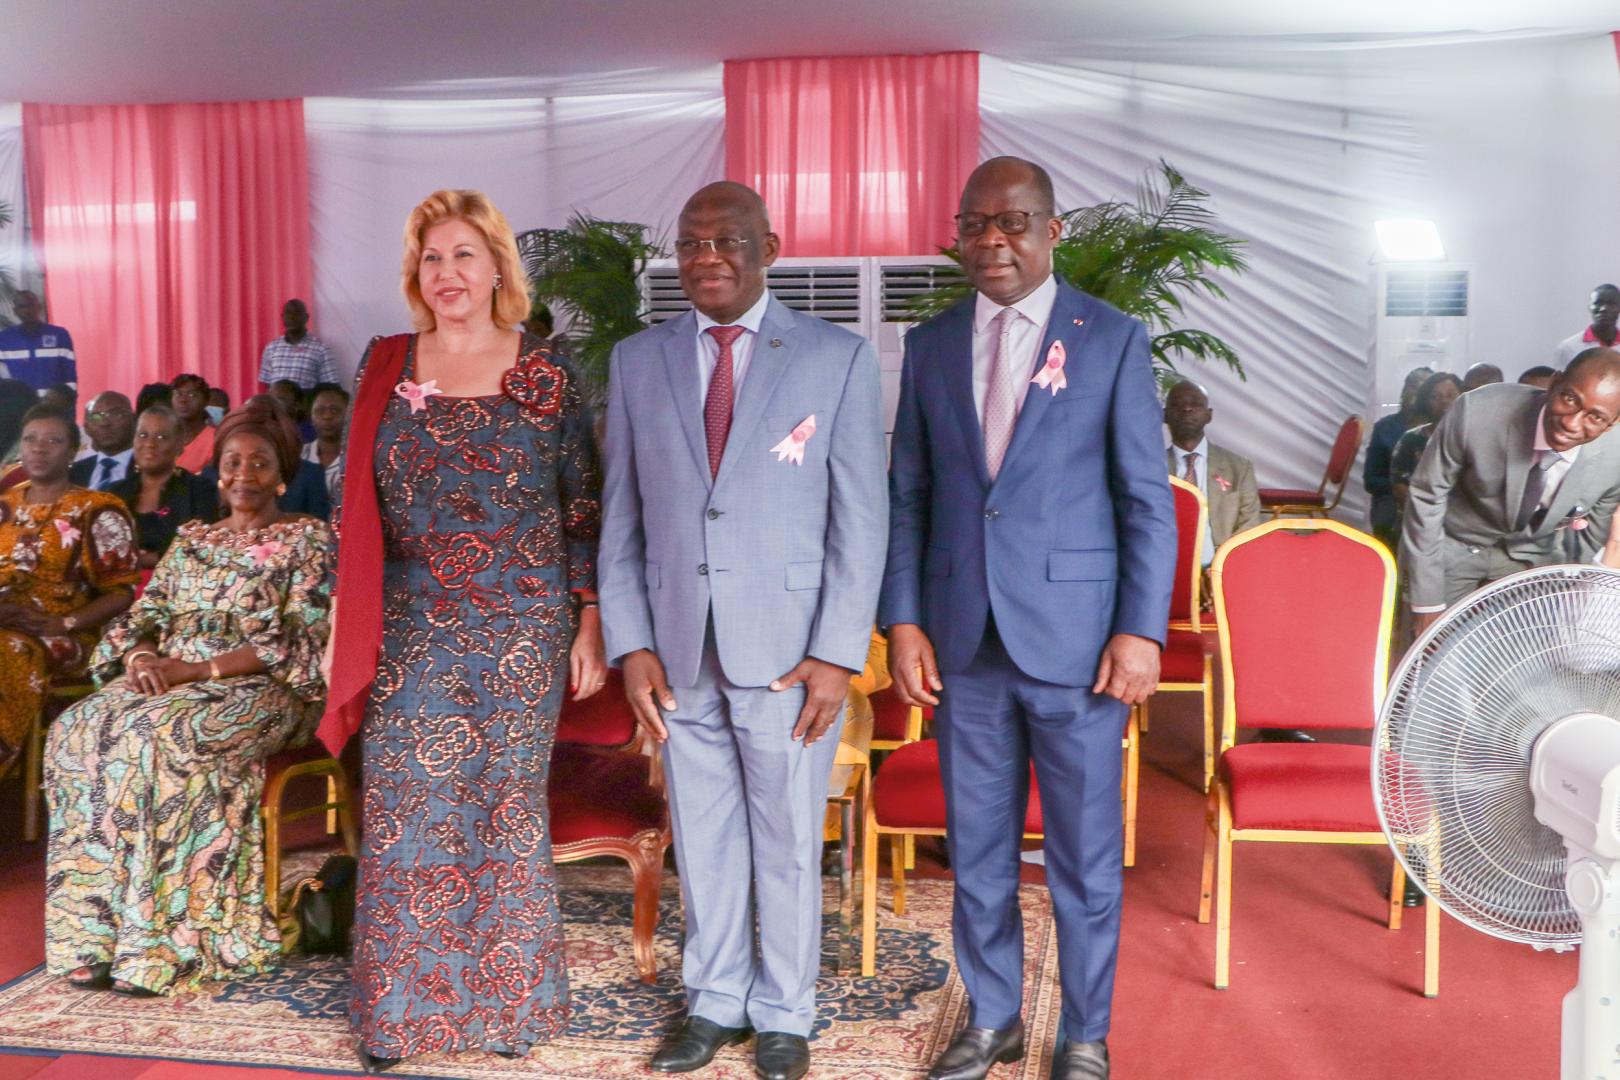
360	554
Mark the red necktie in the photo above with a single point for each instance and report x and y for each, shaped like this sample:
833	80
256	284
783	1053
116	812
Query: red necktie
717	405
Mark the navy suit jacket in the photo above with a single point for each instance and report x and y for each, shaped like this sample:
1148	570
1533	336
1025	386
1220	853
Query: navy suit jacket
1074	541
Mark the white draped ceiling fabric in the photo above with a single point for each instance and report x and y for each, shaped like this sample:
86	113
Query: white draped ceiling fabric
14	261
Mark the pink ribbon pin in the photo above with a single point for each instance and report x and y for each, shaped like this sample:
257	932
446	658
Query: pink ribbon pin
1226	485
1050	377
418	393
67	532
262	552
1578	524
792	447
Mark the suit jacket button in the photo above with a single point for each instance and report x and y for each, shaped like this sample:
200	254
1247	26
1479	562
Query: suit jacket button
703	569
713	514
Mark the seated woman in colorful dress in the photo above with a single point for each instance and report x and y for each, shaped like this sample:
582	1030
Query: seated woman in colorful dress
67	566
216	667
161	494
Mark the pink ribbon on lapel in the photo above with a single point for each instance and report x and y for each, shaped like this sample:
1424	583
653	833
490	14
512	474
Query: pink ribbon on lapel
792	447
1050	377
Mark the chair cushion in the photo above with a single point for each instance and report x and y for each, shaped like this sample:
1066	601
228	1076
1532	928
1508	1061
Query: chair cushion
1320	787
1183	658
595	794
907	792
1269	496
603	719
890	714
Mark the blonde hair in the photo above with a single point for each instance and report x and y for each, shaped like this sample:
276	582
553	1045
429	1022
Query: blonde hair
511	303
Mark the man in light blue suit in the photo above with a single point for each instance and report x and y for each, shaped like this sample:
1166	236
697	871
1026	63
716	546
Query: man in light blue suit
1031	550
743	536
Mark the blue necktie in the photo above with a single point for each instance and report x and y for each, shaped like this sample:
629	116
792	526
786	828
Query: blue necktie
107	465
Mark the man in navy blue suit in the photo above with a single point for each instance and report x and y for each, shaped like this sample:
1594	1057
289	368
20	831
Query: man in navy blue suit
1031	551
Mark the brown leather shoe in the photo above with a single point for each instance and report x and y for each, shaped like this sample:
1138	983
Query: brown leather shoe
1081	1061
976	1049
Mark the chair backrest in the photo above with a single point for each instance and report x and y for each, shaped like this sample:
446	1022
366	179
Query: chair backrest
1343	454
1192	522
603	719
1304	609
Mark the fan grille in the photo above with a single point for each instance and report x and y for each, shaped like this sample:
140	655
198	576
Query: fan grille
1451	757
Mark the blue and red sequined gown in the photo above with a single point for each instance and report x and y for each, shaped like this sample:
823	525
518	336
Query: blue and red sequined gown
490	509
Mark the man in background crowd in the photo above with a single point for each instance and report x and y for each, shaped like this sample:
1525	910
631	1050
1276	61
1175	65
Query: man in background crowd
34	351
1479	375
1541	377
1226	479
1513	478
1380	448
110	422
297	355
1603	331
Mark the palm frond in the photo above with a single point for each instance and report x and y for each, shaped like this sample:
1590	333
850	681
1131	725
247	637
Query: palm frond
6	214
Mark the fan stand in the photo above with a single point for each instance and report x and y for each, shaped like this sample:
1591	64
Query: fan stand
1591	1032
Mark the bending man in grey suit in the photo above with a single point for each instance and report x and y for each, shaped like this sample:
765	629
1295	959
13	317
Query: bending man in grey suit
745	521
1513	477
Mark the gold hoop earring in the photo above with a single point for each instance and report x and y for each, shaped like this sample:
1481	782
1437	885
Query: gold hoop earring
281	489
220	485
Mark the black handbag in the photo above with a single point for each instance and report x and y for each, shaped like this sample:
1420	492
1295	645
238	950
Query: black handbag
322	909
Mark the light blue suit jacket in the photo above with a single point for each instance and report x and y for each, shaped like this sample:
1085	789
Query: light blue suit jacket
1075	539
787	558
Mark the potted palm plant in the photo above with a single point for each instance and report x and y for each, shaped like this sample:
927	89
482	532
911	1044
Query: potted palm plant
1143	257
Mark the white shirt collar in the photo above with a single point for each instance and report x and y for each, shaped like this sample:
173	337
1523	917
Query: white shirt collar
1202	450
121	456
1541	444
749	320
1036	307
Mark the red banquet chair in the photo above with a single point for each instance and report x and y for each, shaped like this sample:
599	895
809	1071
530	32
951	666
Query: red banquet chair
289	774
1304	611
1186	664
606	797
1298	502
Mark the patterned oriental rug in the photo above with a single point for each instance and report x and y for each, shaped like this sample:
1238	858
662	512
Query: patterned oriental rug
890	1026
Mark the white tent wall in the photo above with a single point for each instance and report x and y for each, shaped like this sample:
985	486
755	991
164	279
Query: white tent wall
622	155
14	261
1510	146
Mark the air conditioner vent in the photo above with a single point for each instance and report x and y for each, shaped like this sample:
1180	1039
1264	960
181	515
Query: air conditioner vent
665	300
828	292
1426	293
902	283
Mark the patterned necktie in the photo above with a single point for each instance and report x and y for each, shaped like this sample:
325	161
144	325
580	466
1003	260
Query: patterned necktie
1191	473
1534	484
1001	401
717	405
107	464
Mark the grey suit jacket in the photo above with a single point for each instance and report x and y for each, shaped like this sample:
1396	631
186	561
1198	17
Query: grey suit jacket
788	558
1470	482
1233	506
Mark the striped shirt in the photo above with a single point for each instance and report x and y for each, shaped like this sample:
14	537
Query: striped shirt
305	363
40	357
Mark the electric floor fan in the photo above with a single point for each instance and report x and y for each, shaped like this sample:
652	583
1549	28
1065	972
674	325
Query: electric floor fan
1496	772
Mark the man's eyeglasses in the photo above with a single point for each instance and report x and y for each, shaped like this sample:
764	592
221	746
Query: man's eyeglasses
1010	222
102	414
687	247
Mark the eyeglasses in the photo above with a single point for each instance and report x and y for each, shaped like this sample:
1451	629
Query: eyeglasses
688	247
108	414
1009	222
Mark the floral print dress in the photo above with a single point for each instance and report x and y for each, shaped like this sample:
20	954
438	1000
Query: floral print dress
490	508
156	856
55	558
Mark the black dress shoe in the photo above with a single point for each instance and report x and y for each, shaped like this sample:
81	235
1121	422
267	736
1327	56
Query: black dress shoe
780	1056
1283	735
694	1044
97	977
975	1049
371	1063
1080	1061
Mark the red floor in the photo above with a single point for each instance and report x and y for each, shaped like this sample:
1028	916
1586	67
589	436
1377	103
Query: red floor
1320	990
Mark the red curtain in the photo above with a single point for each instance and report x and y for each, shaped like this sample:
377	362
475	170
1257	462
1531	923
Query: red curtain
859	155
170	234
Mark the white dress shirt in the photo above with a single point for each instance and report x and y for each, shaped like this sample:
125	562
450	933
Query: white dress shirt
119	470
742	350
1024	339
1201	469
1558	469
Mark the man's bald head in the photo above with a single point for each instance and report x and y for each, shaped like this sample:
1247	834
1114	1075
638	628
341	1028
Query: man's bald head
109	420
729	194
1187	413
1010	171
1481	375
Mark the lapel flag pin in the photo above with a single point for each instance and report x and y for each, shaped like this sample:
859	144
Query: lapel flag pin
1079	322
776	343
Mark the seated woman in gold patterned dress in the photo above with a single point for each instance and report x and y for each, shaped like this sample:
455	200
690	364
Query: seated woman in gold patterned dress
67	565
155	872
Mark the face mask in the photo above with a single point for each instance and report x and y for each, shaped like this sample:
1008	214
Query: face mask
215	414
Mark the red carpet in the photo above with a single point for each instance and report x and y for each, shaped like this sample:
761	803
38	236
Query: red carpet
1320	990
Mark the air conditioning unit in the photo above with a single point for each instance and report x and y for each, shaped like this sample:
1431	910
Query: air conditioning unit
1422	321
867	294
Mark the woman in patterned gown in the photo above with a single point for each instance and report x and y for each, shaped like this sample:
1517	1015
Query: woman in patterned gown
468	528
155	871
67	565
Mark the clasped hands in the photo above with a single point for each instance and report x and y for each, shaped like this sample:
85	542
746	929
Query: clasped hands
152	674
31	621
826	685
1128	671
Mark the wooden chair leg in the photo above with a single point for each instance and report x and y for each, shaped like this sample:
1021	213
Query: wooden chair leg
343	795
1206	891
1431	948
33	768
897	867
1209	724
1142	714
1223	891
1133	758
869	870
911	852
647	873
1397	895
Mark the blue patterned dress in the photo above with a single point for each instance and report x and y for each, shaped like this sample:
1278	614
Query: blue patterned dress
490	508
